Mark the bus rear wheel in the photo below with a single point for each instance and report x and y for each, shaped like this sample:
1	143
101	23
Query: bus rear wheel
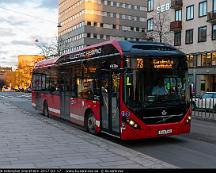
45	110
91	123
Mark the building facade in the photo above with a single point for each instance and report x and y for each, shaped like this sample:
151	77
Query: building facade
87	22
191	27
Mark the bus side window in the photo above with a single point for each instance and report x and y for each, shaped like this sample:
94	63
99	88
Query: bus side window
85	88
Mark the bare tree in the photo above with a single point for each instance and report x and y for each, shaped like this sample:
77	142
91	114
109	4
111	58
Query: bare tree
47	49
161	27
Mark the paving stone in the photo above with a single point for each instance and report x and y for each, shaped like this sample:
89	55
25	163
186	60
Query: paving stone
34	141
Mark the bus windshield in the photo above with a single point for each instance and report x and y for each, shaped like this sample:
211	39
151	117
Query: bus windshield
155	82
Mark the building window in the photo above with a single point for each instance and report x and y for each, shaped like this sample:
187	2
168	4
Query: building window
150	24
190	12
177	38
202	8
199	56
190	59
178	15
213	58
214	32
206	59
89	23
214	5
202	34
189	36
150	5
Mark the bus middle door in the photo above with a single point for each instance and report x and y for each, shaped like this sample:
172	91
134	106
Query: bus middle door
65	95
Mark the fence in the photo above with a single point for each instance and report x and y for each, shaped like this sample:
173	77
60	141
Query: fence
204	108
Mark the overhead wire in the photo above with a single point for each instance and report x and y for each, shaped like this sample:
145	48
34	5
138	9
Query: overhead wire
25	14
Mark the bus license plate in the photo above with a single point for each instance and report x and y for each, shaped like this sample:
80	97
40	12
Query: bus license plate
164	132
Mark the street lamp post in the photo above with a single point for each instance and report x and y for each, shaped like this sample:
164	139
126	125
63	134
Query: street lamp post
59	41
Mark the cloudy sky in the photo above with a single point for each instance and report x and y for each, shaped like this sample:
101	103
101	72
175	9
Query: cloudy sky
21	23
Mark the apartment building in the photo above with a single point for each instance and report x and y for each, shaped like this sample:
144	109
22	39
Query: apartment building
87	22
191	27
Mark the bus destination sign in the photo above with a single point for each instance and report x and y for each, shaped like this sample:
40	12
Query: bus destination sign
87	54
163	64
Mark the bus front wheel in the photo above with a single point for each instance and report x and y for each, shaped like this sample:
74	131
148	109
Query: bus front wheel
91	123
45	110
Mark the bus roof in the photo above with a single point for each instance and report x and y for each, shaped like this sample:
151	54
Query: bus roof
144	48
149	48
46	62
52	61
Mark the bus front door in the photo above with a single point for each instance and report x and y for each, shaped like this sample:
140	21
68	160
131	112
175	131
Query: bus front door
110	103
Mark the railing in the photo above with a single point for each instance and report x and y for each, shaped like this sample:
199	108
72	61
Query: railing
176	4
211	17
204	108
176	26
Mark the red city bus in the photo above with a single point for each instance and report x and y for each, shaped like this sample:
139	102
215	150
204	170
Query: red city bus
111	88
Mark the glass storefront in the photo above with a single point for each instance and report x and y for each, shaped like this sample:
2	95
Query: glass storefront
205	59
203	72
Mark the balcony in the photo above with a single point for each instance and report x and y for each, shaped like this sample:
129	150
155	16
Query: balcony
211	17
176	4
176	26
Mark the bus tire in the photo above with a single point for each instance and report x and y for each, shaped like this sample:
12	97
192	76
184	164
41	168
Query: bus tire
91	123
45	109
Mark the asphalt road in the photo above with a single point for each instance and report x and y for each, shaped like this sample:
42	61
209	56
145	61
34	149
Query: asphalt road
194	150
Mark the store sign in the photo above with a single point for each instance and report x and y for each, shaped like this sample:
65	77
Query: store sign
163	8
163	64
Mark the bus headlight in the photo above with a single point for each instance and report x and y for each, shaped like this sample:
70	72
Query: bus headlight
133	124
188	120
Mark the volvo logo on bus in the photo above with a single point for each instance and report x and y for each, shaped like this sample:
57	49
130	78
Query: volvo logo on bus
164	112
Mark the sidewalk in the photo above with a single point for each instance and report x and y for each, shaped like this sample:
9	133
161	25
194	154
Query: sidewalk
34	141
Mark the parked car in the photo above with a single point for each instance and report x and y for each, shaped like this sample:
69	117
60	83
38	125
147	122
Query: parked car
28	90
19	90
5	88
207	101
